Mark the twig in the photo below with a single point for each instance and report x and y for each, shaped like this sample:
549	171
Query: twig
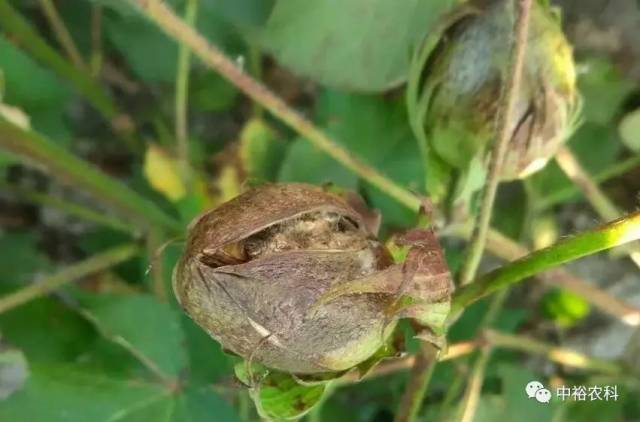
182	91
469	403
556	354
471	397
421	371
509	250
96	40
69	274
31	41
36	150
614	170
505	117
598	200
212	56
391	366
616	233
68	207
497	339
154	242
62	34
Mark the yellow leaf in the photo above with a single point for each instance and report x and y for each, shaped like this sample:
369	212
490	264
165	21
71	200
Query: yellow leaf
162	173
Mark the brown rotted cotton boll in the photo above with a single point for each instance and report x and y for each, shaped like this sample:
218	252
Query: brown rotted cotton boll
254	266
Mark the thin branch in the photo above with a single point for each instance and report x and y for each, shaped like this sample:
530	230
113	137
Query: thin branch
31	41
38	151
28	38
505	117
215	58
509	250
181	100
154	244
561	355
616	233
62	33
421	371
67	275
614	170
498	339
598	200
69	207
96	40
391	366
471	398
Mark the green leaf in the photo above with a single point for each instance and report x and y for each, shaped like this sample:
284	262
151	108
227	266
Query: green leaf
149	329
150	53
518	405
279	396
63	393
377	131
305	163
260	150
207	362
360	45
67	393
208	91
603	89
629	130
20	259
28	84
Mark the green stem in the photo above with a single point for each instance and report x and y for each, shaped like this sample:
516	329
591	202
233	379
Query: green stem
416	389
469	405
62	33
39	151
29	39
616	233
182	91
596	197
176	28
615	170
556	354
500	145
69	274
69	208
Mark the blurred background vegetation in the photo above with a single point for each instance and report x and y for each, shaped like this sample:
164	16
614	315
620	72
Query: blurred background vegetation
97	79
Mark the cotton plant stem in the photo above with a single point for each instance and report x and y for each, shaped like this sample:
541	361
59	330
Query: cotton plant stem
598	200
156	269
95	264
471	396
498	339
615	233
509	250
27	37
414	398
211	55
469	403
500	145
181	101
96	60
61	33
614	170
38	151
423	365
69	207
561	355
